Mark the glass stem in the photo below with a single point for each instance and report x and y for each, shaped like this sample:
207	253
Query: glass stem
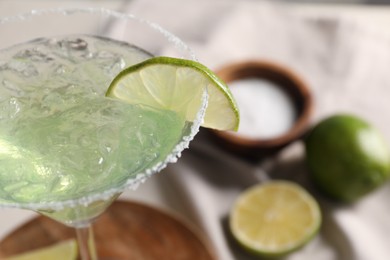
86	242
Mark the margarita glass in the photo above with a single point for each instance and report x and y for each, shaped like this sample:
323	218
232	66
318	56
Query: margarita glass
66	150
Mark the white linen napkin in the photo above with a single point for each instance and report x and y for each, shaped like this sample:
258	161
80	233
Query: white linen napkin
346	66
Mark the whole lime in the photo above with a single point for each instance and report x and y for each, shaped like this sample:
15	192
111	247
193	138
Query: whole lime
347	157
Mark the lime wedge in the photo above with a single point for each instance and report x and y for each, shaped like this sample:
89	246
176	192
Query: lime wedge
177	85
66	250
274	218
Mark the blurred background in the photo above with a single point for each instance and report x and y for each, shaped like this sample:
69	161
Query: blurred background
340	48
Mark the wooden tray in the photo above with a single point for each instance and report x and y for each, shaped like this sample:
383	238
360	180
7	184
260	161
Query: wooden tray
127	231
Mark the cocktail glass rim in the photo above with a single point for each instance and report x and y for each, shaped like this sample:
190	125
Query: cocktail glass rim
131	183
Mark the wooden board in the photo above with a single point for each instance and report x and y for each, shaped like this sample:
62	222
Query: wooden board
127	231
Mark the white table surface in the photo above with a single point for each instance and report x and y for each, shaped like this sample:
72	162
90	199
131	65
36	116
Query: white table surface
376	16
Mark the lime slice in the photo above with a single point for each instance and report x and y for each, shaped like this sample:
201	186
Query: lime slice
275	218
66	250
177	85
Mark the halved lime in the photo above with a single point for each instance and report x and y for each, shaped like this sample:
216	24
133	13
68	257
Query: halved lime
275	218
66	250
177	85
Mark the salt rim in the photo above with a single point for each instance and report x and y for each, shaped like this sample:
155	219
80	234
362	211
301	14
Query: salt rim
141	177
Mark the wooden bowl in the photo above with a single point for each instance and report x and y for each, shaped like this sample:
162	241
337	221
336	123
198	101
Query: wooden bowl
291	84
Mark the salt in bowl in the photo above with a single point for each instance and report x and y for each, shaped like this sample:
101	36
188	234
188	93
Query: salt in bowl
275	109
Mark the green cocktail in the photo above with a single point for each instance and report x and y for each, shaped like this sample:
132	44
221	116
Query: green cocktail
61	138
66	149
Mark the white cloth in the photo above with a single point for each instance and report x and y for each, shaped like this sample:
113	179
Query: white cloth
345	64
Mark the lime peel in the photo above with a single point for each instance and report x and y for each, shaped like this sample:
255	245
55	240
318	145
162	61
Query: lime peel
177	84
347	157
